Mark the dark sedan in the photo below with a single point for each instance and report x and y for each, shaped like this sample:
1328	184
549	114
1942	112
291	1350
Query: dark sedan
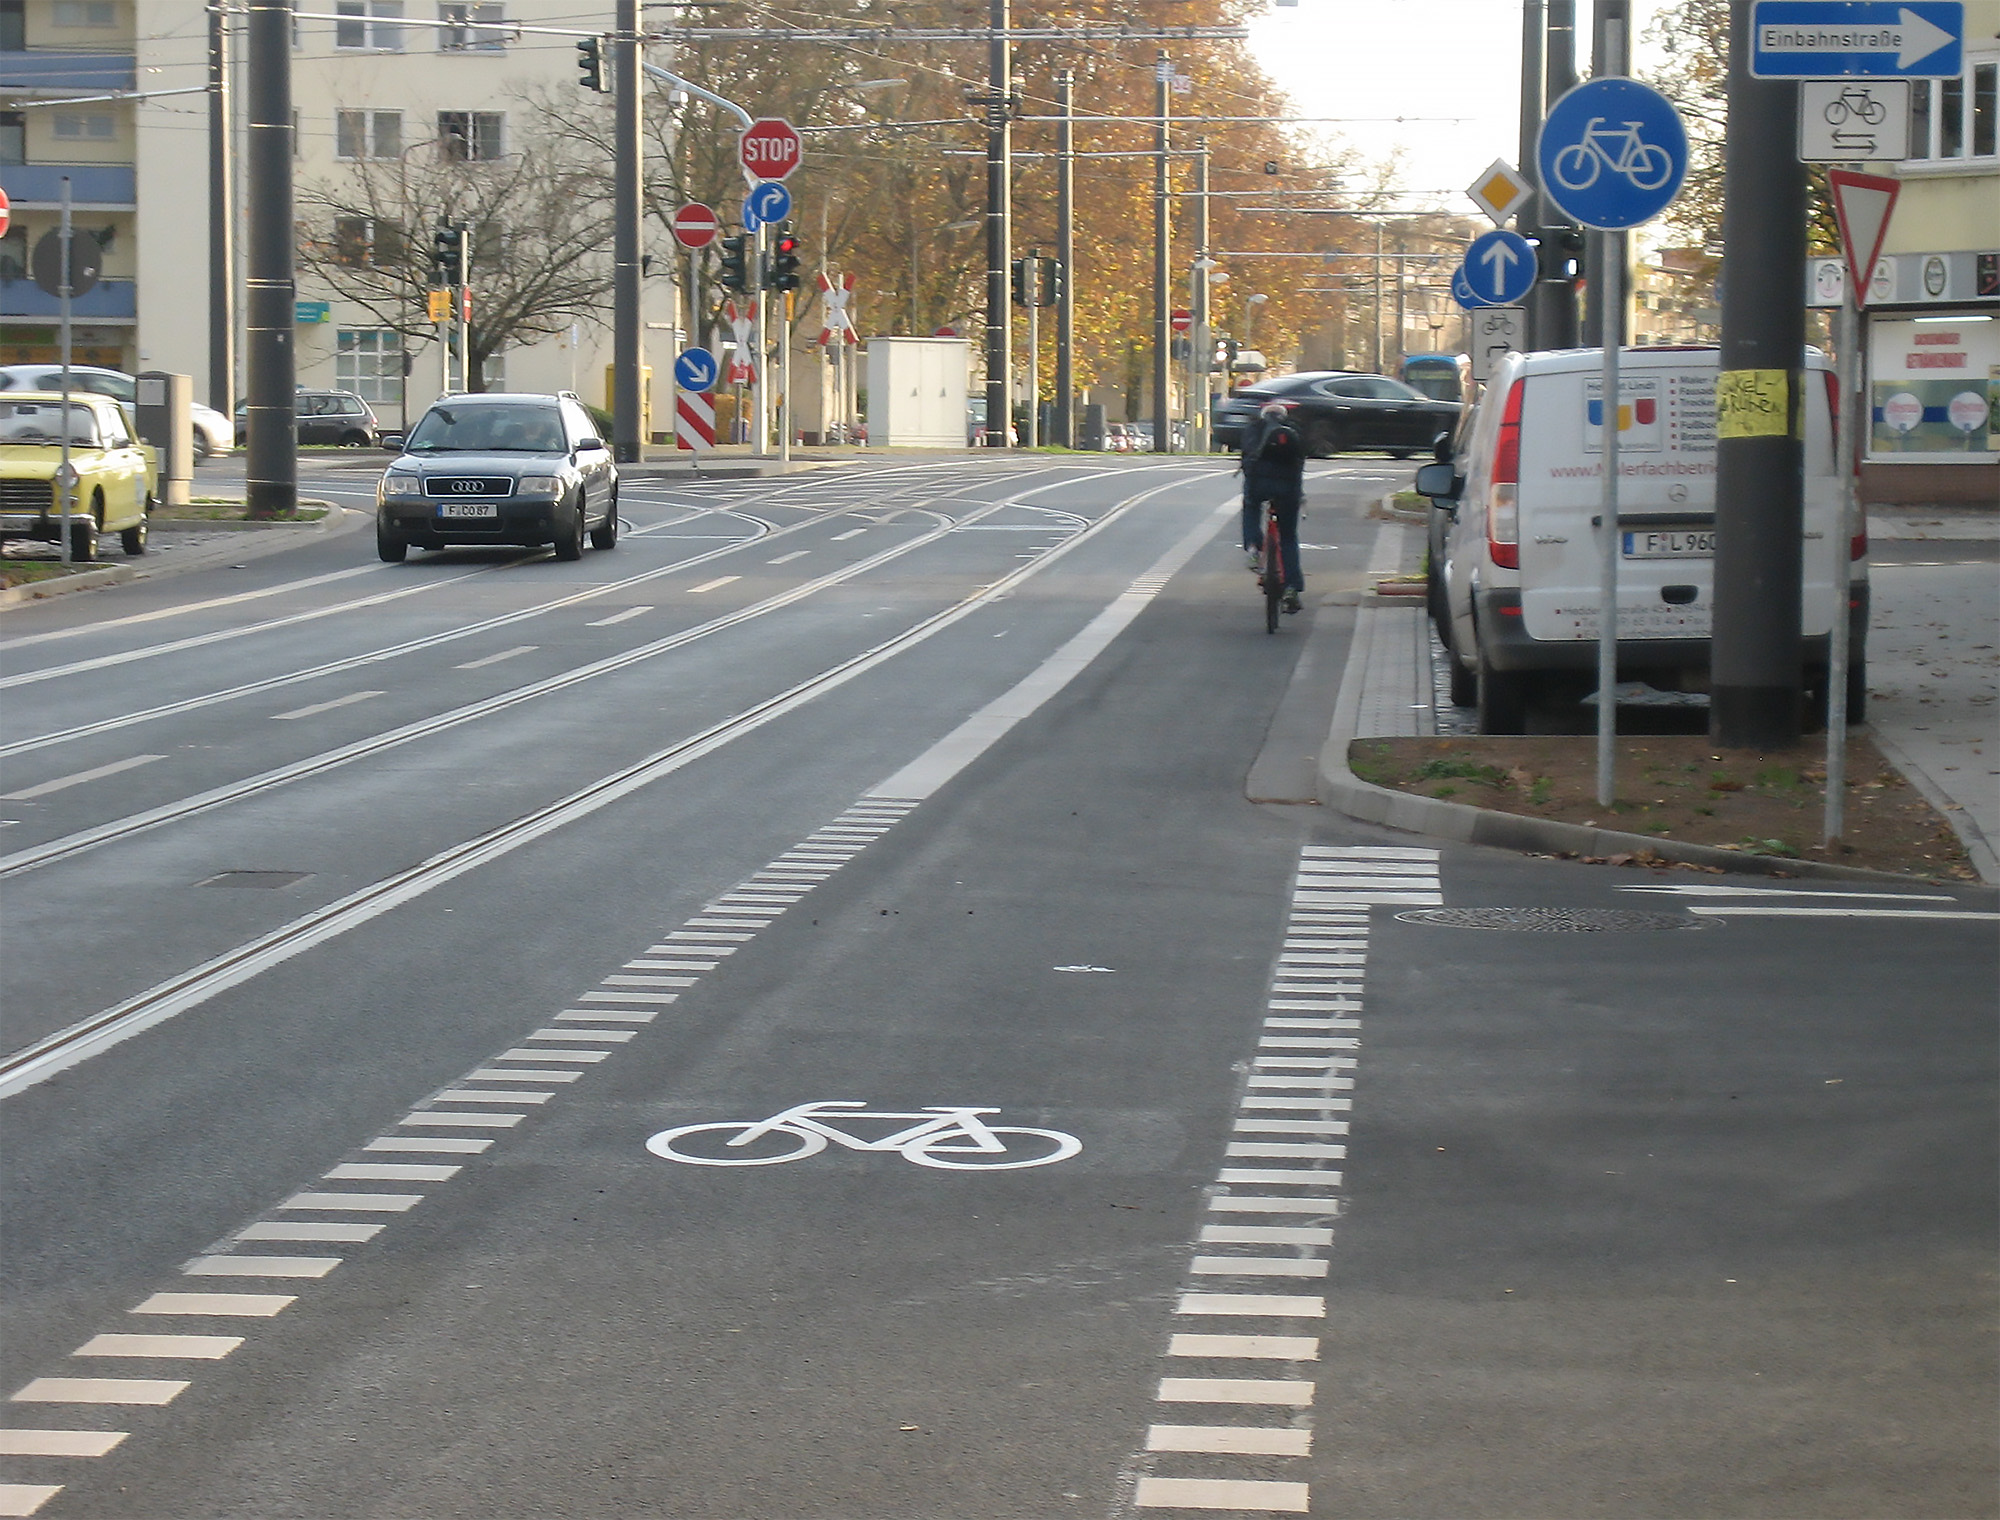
1340	412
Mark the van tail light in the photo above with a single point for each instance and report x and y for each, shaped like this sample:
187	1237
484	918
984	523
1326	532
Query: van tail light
1857	546
1503	518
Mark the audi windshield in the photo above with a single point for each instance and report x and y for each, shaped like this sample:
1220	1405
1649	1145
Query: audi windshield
487	430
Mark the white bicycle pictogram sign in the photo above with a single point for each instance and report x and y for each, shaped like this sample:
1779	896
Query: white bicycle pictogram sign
1622	152
944	1135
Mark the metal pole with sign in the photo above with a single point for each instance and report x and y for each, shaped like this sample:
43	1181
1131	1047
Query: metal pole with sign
1611	177
65	471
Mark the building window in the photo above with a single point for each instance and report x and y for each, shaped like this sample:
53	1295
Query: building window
474	27
470	136
13	138
367	134
365	242
13	26
372	27
1956	118
80	126
78	14
369	362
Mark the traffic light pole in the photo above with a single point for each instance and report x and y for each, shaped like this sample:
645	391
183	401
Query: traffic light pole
1163	234
272	465
1064	431
998	103
628	317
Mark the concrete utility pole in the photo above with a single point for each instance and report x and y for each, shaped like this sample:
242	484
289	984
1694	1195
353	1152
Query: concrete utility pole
1163	239
1529	219
1554	295
1754	699
628	318
272	460
999	104
1610	54
221	221
1063	433
1201	351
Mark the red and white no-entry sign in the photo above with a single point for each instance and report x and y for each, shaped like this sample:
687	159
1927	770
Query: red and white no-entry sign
694	422
1182	319
771	148
6	213
695	225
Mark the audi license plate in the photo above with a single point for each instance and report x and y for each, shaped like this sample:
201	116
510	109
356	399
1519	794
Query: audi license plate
1671	544
468	509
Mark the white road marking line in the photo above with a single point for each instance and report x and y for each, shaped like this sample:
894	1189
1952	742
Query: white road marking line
57	1443
79	778
262	1266
608	1036
1295	1392
648	981
603	1015
619	617
1366	852
389	1171
707	936
1271	1305
1242	1440
1260	1150
472	1095
850	533
26	1498
1222	1493
1331	1104
1275	1177
436	1145
1257	1266
1290	1126
309	1229
543	1053
641	998
1265	1235
441	1119
495	659
666	965
322	707
786	559
1748	912
1250	1203
518	1074
383	1203
205	1348
101	1391
1312	1023
236	1305
719	581
1276	1348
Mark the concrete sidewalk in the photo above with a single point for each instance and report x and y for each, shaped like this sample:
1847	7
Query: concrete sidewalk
1934	703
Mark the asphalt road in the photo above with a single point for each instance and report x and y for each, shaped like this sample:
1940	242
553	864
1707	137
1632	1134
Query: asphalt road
388	946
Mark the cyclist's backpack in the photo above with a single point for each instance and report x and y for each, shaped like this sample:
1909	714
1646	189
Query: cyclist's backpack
1282	448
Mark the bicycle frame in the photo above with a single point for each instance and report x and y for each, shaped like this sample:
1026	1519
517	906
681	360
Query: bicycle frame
933	1120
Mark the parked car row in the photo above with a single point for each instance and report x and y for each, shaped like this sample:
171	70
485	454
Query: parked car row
114	478
212	433
1516	505
338	418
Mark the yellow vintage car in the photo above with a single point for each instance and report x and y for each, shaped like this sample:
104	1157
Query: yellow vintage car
116	476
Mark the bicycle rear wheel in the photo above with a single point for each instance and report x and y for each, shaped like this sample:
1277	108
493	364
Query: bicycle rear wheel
953	1154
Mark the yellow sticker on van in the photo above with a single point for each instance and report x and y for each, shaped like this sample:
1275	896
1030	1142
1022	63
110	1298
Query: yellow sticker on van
1753	403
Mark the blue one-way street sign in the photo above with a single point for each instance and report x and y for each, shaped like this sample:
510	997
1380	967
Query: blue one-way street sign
1824	39
1500	266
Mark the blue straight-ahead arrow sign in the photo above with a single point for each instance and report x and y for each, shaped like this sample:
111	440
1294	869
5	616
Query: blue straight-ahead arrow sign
1827	39
1500	267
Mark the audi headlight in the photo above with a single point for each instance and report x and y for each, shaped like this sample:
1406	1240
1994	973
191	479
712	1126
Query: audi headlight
401	485
541	484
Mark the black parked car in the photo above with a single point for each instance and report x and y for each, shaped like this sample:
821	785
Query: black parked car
336	417
1339	411
499	469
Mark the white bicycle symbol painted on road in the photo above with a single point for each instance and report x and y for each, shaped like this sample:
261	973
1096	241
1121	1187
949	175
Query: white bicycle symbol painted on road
944	1135
1622	152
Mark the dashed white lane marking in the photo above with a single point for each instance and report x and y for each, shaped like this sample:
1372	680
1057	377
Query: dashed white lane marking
57	1443
324	707
495	659
208	1348
716	584
786	559
1276	1215
79	778
619	617
850	533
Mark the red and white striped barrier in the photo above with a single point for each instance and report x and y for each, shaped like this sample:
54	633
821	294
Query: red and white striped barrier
694	421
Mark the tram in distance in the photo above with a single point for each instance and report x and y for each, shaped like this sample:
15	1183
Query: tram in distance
1442	377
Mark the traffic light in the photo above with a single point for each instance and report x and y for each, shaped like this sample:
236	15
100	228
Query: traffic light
1559	254
450	254
590	63
783	273
1021	282
1052	282
735	263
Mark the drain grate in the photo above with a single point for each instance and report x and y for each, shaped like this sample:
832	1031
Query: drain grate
1553	920
265	880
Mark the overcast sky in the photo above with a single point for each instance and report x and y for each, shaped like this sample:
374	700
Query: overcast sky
1413	59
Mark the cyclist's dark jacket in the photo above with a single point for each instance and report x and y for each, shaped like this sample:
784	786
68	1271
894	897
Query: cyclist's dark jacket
1273	460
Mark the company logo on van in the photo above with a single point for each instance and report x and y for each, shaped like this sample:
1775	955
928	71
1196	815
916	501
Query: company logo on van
1641	415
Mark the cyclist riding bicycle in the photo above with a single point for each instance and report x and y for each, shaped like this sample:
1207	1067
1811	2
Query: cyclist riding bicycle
1273	465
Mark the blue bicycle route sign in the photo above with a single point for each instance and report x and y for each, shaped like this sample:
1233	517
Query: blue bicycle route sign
1830	39
1463	293
1499	267
1613	153
695	370
769	202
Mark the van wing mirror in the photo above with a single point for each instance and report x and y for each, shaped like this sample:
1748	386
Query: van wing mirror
1441	448
1439	482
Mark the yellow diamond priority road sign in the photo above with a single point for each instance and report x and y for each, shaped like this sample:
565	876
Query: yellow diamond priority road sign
1499	191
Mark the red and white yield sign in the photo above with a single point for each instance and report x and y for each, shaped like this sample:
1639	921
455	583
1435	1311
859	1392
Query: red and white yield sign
771	148
695	225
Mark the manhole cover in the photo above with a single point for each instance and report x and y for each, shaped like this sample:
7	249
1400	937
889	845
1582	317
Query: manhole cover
1553	920
267	880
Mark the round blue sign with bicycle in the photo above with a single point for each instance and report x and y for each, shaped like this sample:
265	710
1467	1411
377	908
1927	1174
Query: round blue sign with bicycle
1613	154
1463	293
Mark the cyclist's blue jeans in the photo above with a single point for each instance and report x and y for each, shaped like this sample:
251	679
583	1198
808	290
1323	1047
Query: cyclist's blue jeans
1286	496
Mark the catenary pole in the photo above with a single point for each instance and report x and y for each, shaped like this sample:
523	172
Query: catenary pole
1163	235
1754	700
1532	215
999	104
221	221
271	470
1064	430
1554	293
628	320
1202	351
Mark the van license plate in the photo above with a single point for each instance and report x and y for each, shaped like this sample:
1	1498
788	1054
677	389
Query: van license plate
1671	545
487	509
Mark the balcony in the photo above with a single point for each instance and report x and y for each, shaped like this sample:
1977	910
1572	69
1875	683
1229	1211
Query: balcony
107	301
92	187
44	71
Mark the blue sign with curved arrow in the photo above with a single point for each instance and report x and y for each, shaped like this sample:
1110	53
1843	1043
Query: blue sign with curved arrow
1500	267
769	202
695	370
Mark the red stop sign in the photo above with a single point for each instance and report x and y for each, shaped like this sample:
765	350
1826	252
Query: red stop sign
771	148
695	225
1182	320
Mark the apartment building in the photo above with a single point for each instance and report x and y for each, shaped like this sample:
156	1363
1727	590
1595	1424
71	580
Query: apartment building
392	99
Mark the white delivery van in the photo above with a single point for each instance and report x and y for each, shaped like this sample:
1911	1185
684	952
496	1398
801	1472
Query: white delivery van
1516	515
